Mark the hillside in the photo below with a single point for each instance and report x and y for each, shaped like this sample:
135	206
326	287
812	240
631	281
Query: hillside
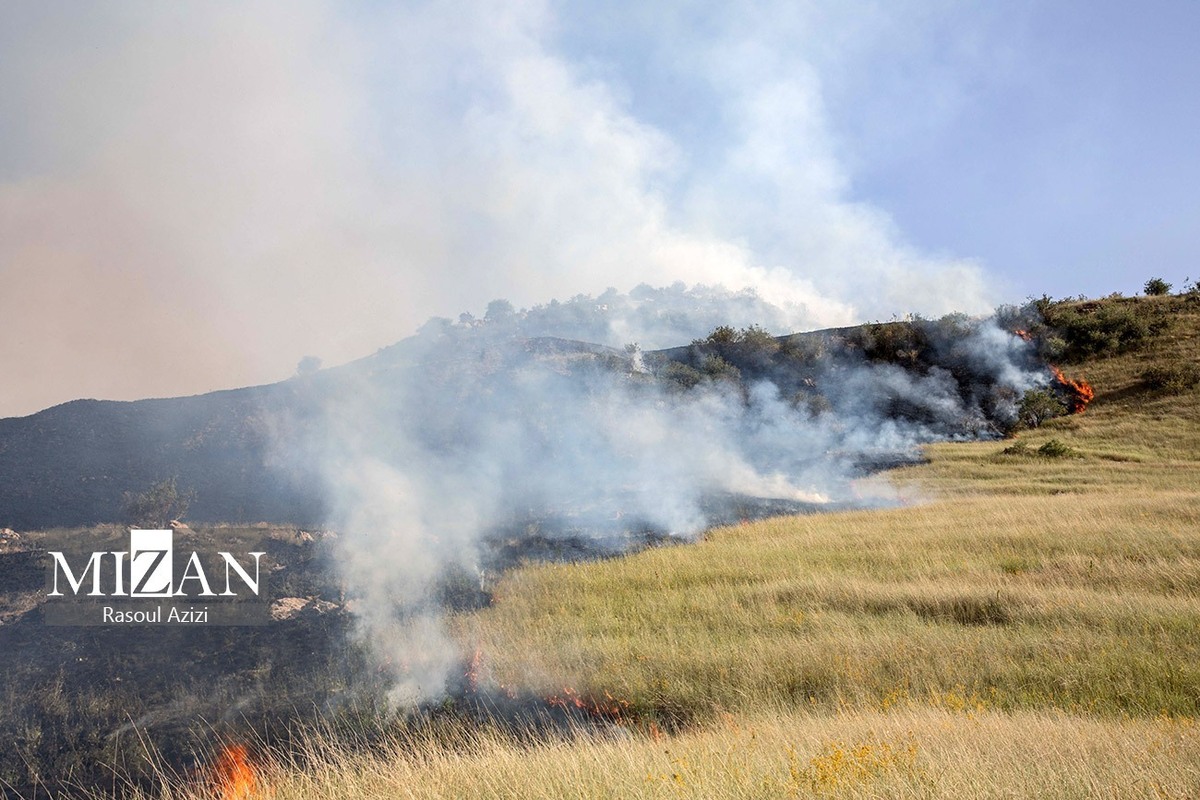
990	538
925	651
247	454
1021	624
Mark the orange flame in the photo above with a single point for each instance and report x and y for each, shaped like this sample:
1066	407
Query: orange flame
475	676
471	675
1023	334
236	778
1080	391
609	708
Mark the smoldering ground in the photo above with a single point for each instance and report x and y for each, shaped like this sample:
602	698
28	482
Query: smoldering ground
476	437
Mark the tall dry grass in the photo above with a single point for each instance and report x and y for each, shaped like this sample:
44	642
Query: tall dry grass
908	751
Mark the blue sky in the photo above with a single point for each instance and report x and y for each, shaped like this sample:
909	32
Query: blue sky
197	195
1053	142
1071	167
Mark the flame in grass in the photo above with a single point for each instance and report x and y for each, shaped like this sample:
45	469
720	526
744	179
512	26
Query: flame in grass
474	676
1079	393
609	708
235	775
471	674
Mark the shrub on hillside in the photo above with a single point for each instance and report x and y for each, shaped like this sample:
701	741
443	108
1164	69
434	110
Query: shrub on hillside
894	342
157	505
682	375
757	339
1172	377
1156	287
1053	348
712	368
812	402
1102	329
750	351
804	349
1039	405
721	335
1055	448
718	369
1016	449
726	339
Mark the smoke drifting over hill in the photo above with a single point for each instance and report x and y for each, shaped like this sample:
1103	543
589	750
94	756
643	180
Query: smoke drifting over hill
651	317
206	193
485	431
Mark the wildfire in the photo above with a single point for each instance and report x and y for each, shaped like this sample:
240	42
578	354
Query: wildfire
1080	391
475	676
610	708
1023	334
471	674
235	776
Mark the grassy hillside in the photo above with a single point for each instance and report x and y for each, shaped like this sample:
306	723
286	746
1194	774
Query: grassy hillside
1021	625
1020	581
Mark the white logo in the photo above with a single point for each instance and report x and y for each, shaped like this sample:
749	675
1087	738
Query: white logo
151	571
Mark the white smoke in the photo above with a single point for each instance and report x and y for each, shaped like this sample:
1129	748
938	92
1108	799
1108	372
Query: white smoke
257	182
482	432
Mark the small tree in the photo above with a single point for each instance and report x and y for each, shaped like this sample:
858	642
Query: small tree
722	335
1156	287
157	506
1056	449
759	338
499	311
719	369
1172	377
682	375
308	365
1039	405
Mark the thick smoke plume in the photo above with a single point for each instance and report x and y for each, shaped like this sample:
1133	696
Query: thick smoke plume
205	193
484	440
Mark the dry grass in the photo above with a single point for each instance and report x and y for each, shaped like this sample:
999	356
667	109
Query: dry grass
1086	603
909	751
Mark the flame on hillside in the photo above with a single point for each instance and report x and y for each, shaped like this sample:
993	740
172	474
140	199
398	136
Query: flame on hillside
1079	392
609	708
235	777
471	675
